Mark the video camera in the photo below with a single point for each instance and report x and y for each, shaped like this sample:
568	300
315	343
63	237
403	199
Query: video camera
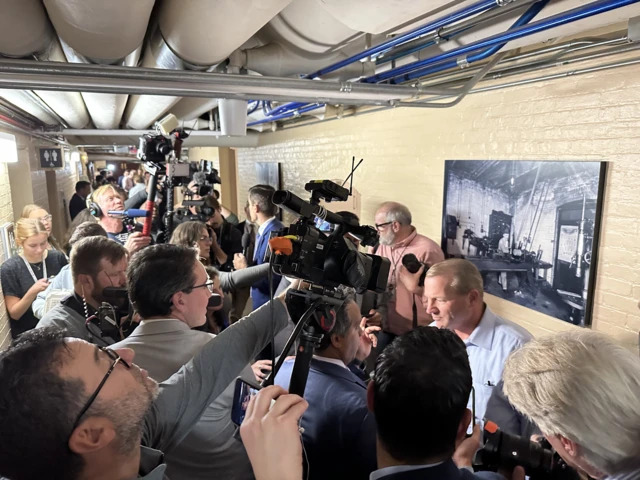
326	259
107	324
539	461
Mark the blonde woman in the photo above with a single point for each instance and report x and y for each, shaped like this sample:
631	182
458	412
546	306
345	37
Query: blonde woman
25	275
36	212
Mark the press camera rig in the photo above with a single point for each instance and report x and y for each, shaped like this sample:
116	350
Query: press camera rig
328	261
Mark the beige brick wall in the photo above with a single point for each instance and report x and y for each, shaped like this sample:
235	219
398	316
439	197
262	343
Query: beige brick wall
592	117
6	215
65	179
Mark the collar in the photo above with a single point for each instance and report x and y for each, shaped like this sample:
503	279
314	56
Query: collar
327	367
335	361
264	226
152	465
482	335
407	240
383	472
159	325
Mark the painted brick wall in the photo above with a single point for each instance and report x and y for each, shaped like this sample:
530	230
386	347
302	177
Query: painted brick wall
6	215
592	117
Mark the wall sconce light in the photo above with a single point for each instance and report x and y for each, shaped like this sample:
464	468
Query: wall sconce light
8	148
75	157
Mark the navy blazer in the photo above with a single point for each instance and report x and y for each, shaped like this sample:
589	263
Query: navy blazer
445	471
339	431
260	290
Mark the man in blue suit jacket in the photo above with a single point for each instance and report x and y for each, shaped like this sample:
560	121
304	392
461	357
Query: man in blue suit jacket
339	431
263	213
419	396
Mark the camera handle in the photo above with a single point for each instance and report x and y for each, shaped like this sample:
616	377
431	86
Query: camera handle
318	319
152	168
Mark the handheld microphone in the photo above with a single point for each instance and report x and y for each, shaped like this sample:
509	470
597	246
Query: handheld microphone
246	241
215	300
412	264
131	213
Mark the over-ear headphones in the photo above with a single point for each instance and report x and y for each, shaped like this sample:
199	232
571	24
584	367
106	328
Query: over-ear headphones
94	208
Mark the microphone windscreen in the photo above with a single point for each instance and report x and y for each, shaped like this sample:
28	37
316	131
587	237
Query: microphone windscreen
246	239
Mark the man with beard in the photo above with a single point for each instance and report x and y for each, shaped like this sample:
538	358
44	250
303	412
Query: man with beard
398	238
96	263
78	411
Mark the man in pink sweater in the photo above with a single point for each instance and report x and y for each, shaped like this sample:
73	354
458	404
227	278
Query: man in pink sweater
397	239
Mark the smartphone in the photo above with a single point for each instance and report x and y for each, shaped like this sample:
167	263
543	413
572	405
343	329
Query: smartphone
241	396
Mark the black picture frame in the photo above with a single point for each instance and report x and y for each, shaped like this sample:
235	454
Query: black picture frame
493	222
51	158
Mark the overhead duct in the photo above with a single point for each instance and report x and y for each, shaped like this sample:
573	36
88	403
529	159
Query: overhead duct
69	105
275	60
94	31
188	110
25	31
28	101
196	35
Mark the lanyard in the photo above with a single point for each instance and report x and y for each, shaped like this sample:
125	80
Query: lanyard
33	275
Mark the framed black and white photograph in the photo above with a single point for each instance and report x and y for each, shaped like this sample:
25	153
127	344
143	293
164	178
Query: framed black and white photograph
531	228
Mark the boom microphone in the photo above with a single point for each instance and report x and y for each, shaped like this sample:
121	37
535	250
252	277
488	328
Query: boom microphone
131	213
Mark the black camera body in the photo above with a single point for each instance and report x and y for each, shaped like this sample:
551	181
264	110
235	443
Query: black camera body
413	265
154	148
539	461
327	260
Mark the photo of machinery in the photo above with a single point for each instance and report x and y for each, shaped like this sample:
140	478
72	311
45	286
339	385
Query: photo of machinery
531	228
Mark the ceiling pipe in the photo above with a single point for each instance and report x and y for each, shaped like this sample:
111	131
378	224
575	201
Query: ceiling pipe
476	8
526	18
196	35
22	74
416	69
99	32
25	31
276	60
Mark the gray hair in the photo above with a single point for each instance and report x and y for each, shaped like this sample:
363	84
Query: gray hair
396	212
583	386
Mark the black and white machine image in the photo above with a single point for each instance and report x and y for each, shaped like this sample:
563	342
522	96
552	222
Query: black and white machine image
531	228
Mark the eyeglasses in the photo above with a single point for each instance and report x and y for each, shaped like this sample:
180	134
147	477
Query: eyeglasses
205	239
208	284
380	226
46	218
116	359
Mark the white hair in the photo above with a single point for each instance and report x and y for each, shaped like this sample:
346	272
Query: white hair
585	387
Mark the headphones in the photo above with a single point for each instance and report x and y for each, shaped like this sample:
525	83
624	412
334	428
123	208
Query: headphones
94	208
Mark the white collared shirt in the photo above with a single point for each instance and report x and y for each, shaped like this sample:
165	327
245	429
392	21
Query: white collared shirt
264	226
144	322
335	361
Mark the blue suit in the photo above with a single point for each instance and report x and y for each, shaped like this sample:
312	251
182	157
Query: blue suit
260	290
339	431
443	471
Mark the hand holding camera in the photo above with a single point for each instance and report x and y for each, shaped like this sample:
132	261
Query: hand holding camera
271	435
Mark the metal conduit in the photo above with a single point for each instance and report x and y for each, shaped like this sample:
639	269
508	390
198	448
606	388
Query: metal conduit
413	70
474	9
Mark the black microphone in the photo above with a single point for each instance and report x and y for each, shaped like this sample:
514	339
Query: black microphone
246	241
215	300
412	264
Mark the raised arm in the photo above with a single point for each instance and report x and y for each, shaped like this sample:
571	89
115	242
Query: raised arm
186	394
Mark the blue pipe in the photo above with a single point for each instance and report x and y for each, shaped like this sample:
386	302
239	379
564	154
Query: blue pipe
417	48
579	13
476	8
253	108
282	116
526	17
479	7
